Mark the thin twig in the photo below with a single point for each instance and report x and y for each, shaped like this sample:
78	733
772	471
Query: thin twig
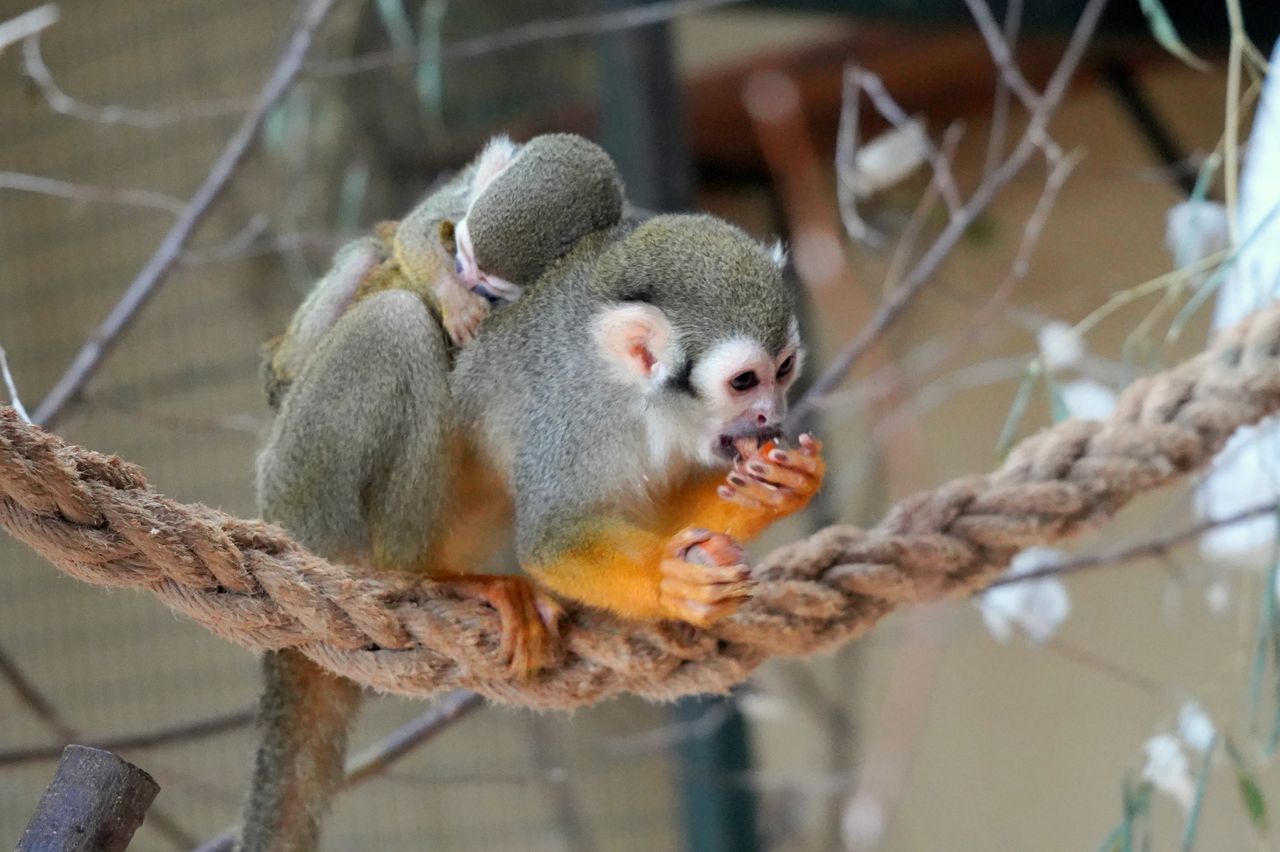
379	757
888	107
1000	106
524	34
87	193
28	24
36	701
1032	139
548	757
12	387
90	357
1151	548
183	732
34	67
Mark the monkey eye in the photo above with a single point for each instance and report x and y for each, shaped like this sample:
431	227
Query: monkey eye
745	380
785	368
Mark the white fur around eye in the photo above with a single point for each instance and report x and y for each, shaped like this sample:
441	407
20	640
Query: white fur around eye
726	360
637	342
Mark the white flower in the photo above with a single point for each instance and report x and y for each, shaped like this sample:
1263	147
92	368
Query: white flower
1167	769
1088	400
1036	606
1248	468
1194	230
1242	476
1060	345
1196	727
889	159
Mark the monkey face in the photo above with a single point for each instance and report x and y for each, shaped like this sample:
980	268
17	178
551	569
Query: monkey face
743	388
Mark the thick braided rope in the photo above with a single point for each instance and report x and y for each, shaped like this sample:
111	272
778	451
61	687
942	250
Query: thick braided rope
94	517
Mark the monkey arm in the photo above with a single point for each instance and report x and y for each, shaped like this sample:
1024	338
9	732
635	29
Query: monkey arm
759	490
644	575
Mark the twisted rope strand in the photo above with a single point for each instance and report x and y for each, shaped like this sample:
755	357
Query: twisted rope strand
94	517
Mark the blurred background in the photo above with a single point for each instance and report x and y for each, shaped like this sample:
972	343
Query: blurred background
824	123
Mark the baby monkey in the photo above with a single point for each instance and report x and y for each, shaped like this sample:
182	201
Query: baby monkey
487	232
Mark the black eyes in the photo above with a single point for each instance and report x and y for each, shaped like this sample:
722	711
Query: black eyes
744	381
786	367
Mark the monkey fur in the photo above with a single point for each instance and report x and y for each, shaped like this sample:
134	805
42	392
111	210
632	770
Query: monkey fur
362	443
624	409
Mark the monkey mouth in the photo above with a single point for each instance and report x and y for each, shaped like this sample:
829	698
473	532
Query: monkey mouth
740	445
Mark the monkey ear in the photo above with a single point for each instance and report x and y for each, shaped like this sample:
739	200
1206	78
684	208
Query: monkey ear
777	253
638	342
493	161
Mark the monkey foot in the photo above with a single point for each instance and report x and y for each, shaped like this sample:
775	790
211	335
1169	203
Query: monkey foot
704	577
461	310
530	619
776	480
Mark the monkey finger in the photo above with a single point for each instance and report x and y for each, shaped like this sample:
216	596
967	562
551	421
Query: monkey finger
796	460
777	475
681	542
766	494
717	549
810	444
733	495
699	613
711	593
691	572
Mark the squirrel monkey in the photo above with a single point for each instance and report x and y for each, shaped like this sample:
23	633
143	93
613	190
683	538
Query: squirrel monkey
360	452
627	408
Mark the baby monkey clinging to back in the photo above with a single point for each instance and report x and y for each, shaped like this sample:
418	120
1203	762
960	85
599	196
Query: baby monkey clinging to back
627	407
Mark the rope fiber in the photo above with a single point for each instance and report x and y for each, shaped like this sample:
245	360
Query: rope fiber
94	517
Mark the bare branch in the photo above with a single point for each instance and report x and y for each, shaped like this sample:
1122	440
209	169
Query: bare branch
90	357
87	193
28	24
183	732
523	34
888	107
1002	53
1032	139
379	757
1159	546
12	387
33	699
1000	107
34	67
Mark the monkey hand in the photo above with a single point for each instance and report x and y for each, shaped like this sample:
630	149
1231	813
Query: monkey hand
704	577
461	311
775	481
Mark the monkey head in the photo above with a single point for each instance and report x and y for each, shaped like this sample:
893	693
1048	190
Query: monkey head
699	317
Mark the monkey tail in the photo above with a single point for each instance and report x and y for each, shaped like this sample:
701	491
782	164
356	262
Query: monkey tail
303	721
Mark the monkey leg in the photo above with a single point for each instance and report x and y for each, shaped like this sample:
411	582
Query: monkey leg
358	459
530	618
303	719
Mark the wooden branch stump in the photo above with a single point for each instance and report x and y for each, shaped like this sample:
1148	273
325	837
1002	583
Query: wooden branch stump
95	803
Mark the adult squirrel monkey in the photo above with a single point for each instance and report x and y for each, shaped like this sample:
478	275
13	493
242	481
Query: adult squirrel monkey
627	406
